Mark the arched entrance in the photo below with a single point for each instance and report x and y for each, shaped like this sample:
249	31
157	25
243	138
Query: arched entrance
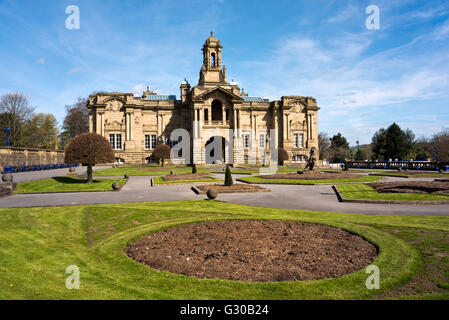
215	149
217	110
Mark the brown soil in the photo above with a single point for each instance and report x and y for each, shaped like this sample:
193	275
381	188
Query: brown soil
186	176
315	175
240	187
250	250
411	187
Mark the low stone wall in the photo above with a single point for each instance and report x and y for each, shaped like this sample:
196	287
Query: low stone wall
27	157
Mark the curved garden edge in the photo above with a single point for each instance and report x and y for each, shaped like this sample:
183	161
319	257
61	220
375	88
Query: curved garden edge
398	261
341	198
288	182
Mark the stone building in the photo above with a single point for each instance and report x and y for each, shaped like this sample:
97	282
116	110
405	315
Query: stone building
213	110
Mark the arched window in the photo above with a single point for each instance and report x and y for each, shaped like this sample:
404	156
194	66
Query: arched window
217	110
212	60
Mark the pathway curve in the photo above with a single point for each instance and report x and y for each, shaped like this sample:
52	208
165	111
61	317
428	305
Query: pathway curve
301	197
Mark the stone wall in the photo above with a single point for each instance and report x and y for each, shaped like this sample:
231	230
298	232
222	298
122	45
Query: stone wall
27	157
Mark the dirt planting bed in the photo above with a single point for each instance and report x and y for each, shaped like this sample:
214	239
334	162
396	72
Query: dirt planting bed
411	187
254	251
315	175
186	176
235	188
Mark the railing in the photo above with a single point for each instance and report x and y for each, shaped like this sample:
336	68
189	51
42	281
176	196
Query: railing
409	165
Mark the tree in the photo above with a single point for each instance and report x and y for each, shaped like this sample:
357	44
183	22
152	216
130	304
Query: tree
323	145
441	140
14	112
89	149
393	143
76	120
228	177
338	148
40	132
282	156
161	153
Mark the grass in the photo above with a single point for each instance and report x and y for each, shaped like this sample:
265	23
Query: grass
147	170
255	179
66	184
37	245
366	192
159	180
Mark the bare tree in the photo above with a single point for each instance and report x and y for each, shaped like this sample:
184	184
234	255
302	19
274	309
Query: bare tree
76	120
14	112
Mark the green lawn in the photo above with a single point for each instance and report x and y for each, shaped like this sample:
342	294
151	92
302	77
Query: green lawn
366	192
159	180
254	179
66	184
147	170
37	245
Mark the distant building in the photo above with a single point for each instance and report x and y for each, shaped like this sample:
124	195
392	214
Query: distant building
136	125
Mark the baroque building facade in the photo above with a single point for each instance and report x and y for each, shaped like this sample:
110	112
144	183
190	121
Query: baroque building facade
246	127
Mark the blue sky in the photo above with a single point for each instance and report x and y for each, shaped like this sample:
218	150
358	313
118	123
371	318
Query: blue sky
362	79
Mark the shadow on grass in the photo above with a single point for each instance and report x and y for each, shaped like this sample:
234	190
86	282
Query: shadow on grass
70	180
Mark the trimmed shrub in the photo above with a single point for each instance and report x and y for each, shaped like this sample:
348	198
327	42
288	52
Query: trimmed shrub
228	177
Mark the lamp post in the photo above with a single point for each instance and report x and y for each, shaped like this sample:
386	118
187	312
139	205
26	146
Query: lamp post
436	150
8	130
62	143
358	150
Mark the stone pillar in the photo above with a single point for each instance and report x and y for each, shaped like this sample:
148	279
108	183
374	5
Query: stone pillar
102	123
223	115
91	123
162	126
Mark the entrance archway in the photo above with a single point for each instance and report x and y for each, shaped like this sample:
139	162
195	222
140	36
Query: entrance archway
215	149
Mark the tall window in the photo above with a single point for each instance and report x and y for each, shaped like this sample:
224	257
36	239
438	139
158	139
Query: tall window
118	141
112	140
246	141
153	141
206	114
147	142
212	60
301	140
262	141
295	140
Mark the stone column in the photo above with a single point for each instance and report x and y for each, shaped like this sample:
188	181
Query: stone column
162	126
102	124
223	115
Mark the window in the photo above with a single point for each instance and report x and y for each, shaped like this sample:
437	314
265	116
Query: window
147	142
295	140
262	141
112	140
118	141
212	60
206	114
227	114
246	141
301	140
153	141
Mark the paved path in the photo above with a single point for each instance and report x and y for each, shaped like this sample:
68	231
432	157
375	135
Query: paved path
45	174
138	189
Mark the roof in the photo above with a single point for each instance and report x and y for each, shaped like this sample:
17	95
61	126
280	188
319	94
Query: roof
253	99
158	97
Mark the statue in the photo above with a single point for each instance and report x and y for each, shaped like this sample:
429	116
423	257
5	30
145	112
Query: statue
312	159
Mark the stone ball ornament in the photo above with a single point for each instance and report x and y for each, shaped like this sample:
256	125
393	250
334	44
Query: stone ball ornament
116	186
7	177
126	176
212	194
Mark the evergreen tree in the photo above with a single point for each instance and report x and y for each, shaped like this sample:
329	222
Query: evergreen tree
228	177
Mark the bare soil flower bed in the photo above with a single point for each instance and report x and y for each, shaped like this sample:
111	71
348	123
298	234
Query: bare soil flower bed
254	251
240	187
411	187
314	175
186	176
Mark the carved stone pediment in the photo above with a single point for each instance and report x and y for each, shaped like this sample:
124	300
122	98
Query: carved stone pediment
297	125
114	105
296	107
114	125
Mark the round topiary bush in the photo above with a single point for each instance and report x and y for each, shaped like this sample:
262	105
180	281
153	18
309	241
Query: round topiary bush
116	186
126	176
7	177
212	194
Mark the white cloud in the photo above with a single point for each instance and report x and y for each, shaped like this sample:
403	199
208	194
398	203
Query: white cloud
41	60
347	13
